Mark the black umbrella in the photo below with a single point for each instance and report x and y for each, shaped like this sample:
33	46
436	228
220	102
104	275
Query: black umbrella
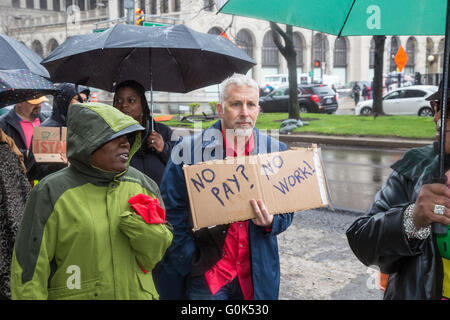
167	58
15	55
21	85
179	58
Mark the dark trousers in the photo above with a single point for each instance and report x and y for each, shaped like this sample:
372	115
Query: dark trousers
198	289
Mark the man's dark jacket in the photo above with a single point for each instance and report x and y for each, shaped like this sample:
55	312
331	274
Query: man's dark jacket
10	123
193	253
378	238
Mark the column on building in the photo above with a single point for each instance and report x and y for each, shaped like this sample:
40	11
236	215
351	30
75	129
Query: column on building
113	9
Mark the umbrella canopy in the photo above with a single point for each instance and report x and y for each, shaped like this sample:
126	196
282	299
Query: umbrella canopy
15	55
167	58
21	85
348	17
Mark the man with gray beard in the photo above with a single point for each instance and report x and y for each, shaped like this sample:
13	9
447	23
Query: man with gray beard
236	261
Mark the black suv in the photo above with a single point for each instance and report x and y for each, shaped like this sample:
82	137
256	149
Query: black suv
314	98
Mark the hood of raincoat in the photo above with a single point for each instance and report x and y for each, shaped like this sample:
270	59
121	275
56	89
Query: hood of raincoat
91	125
61	101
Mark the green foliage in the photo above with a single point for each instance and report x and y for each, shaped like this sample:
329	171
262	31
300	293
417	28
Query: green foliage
193	107
213	106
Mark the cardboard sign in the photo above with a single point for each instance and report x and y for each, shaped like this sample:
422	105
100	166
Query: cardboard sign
220	190
49	144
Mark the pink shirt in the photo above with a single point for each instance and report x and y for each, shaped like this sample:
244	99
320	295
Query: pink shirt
27	128
235	261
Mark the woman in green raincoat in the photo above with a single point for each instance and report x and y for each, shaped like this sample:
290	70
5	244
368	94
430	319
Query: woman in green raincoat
80	238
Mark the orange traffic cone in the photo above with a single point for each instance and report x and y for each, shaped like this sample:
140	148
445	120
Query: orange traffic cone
94	97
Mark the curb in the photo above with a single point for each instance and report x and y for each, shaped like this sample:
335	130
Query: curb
355	141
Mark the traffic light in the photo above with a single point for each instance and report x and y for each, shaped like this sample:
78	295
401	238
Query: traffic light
317	64
139	13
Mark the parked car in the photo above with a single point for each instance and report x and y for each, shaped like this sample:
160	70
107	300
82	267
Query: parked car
402	101
313	98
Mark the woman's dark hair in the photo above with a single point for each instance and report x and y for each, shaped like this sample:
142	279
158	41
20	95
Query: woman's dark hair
136	86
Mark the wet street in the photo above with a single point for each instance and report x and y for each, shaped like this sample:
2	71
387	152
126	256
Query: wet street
354	175
316	260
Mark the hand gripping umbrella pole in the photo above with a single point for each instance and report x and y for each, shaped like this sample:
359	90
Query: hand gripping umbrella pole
151	89
439	228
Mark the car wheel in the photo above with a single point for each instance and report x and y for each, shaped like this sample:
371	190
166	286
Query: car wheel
426	112
366	111
302	109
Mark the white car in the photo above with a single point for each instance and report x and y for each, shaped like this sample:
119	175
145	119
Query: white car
402	101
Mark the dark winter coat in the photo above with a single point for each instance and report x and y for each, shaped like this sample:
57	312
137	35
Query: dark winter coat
378	238
61	101
14	190
10	124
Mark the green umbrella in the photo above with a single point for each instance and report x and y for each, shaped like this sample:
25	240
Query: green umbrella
347	17
357	18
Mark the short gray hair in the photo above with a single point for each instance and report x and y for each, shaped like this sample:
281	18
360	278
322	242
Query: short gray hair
238	80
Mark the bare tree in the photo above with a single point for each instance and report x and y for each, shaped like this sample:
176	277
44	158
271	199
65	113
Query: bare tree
288	52
378	76
6	25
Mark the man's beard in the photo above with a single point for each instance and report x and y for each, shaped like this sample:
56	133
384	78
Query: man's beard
242	132
239	132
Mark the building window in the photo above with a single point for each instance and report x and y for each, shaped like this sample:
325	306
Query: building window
16	3
215	30
52	45
395	44
121	8
153	7
30	4
142	5
164	6
56	5
410	52
269	51
320	47
176	5
43	4
208	5
340	52
244	41
81	5
37	47
298	46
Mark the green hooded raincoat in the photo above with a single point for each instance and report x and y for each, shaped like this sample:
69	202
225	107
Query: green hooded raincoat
79	237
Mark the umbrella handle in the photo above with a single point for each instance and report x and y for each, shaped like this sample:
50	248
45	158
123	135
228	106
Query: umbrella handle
436	227
444	93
